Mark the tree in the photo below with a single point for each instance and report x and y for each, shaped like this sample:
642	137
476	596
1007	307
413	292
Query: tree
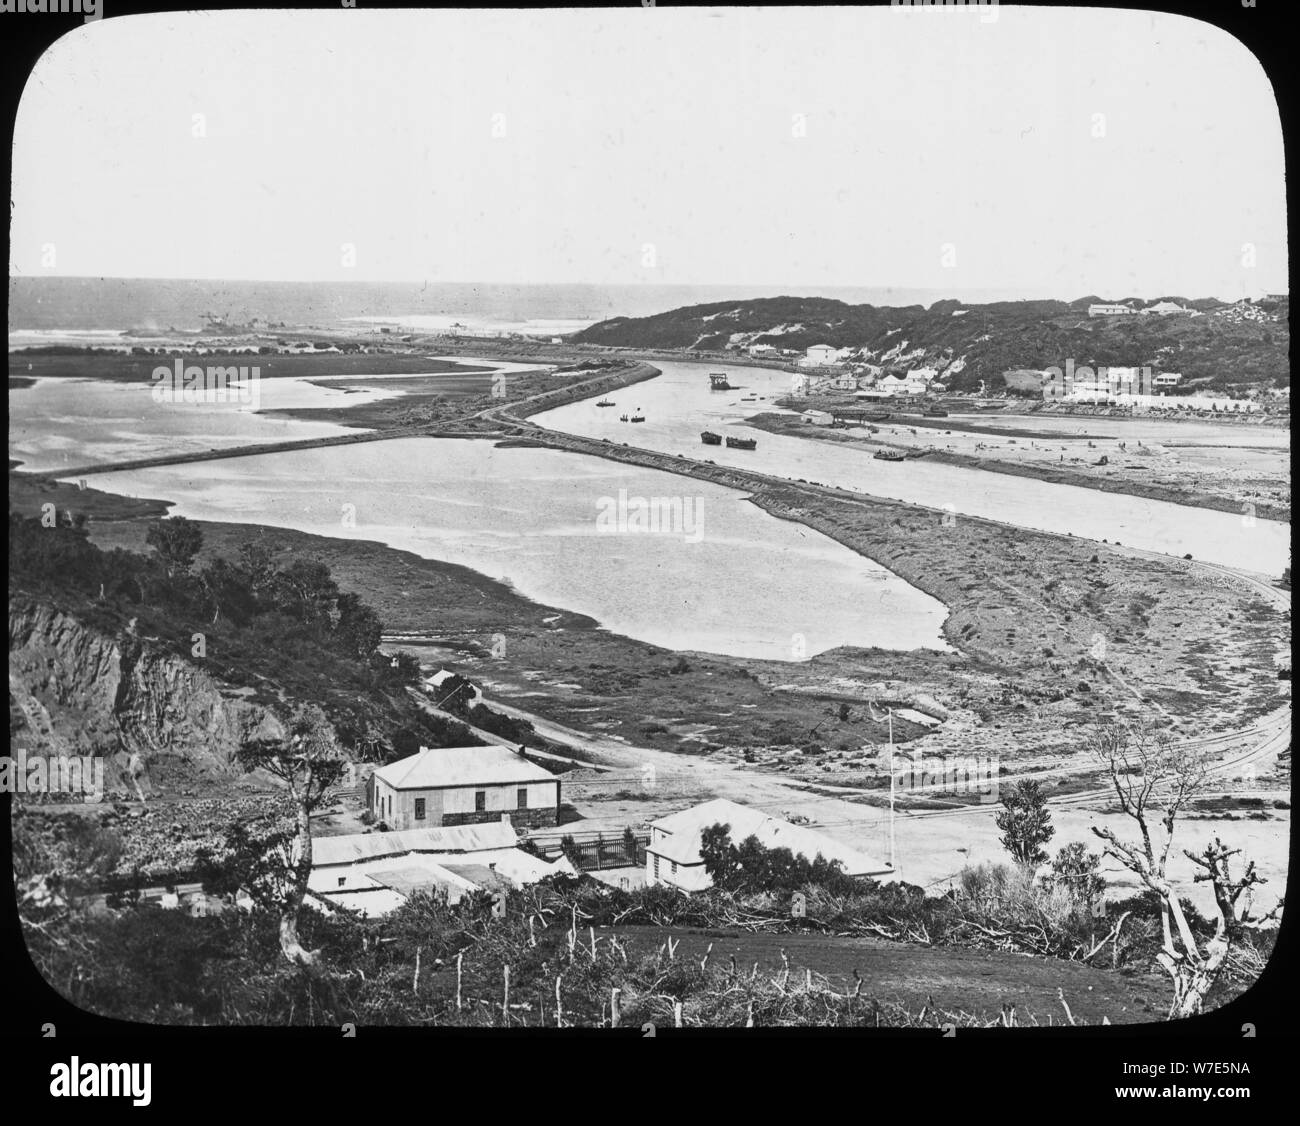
308	761
177	541
1078	871
569	848
1025	823
305	590
358	628
258	563
226	590
1154	779
718	854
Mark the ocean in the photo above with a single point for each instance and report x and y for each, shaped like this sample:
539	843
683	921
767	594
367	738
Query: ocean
48	304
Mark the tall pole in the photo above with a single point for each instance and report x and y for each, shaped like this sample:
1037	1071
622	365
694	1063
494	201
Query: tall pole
893	861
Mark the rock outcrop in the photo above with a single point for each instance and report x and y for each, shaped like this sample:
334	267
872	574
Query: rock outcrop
156	718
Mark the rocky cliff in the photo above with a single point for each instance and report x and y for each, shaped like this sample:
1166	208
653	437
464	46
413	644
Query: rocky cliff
75	689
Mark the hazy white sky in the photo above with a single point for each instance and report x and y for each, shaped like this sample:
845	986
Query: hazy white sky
799	147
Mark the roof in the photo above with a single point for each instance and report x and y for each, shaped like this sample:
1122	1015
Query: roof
378	885
684	844
480	875
408	879
439	767
356	847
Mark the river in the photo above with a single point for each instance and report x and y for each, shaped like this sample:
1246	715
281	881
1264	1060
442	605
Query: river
678	405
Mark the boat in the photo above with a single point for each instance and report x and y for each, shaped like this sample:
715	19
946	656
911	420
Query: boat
889	455
605	403
718	381
622	418
711	439
935	412
749	399
637	418
742	443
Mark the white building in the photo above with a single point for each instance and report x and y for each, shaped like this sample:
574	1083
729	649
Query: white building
376	872
435	684
1169	379
817	418
762	349
1106	310
462	786
821	355
902	385
673	854
1165	308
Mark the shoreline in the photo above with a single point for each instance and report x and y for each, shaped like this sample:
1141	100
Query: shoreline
788	426
912	542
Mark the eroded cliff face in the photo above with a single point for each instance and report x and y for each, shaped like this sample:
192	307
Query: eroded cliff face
78	690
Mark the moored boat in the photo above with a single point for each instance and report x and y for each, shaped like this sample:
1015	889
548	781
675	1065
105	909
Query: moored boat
710	439
742	443
718	381
889	455
605	403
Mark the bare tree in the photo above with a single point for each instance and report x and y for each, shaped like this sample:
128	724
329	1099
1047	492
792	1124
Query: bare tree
1154	779
308	761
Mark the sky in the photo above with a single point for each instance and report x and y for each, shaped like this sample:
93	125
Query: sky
1057	152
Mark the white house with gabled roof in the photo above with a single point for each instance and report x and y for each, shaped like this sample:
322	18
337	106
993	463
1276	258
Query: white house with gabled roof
463	786
673	854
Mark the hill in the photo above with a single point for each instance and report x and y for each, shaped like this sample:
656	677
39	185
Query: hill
1214	344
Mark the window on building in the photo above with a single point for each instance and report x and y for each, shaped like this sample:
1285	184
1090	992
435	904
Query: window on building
419	809
656	867
480	801
342	880
674	867
521	797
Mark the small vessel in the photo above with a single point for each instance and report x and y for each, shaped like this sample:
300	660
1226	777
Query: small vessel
742	443
711	439
718	381
889	455
637	418
749	399
605	403
622	418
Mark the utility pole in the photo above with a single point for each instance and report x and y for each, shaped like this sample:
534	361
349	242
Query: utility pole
893	851
893	860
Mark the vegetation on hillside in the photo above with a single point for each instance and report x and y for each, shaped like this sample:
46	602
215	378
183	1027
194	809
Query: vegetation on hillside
280	626
1216	351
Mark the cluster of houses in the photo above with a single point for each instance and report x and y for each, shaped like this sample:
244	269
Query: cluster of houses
1159	309
450	821
866	381
1121	386
373	873
1244	310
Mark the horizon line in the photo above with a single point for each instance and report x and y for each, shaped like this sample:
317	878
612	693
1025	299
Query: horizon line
611	284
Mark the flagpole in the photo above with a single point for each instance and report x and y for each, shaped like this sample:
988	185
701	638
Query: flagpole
893	862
